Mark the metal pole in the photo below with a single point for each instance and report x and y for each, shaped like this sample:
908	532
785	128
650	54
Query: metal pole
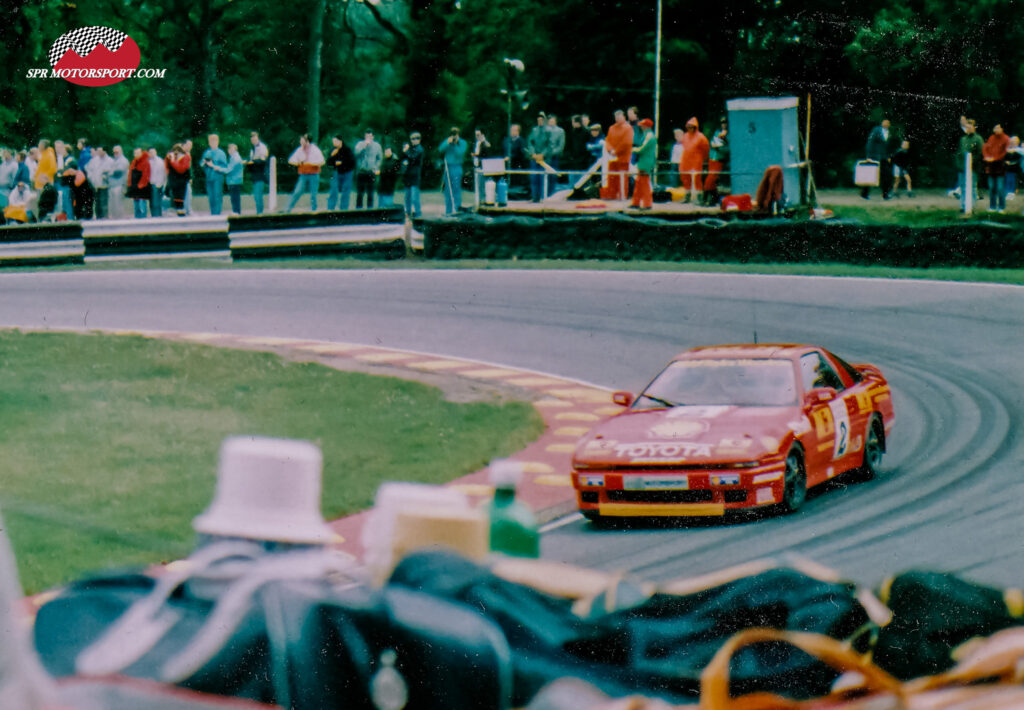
657	81
968	184
807	149
272	197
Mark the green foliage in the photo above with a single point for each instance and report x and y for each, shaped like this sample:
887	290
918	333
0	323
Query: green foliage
399	65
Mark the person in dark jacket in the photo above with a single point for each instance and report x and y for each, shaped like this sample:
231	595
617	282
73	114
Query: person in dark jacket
879	149
390	169
481	149
412	167
257	167
83	194
343	161
576	150
47	198
518	158
903	167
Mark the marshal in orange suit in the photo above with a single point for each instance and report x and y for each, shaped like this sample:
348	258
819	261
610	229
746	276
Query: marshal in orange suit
619	143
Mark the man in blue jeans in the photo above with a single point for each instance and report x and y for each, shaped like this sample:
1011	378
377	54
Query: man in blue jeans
215	164
453	149
412	167
308	159
257	166
538	146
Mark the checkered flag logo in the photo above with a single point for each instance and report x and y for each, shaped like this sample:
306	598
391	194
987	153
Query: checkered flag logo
84	40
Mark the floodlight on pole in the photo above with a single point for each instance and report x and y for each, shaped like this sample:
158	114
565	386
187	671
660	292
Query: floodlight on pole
512	67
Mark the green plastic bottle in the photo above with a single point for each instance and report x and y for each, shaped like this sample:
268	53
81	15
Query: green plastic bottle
513	525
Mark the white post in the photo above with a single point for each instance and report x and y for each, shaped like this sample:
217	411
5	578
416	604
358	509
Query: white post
968	185
23	682
476	188
272	197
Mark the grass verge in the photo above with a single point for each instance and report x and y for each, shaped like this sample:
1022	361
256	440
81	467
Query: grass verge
110	444
963	274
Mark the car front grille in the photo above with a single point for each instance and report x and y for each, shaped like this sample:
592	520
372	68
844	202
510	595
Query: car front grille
697	496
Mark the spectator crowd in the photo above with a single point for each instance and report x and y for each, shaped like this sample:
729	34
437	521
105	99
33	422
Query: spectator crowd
82	181
996	159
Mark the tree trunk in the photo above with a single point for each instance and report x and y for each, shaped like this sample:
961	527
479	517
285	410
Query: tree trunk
316	45
203	114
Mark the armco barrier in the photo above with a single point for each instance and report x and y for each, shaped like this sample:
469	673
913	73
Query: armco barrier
156	236
372	232
621	237
42	244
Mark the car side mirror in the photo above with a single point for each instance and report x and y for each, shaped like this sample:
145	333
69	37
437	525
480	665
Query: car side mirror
819	395
623	399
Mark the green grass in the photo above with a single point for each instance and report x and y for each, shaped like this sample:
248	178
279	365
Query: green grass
1002	276
922	216
110	444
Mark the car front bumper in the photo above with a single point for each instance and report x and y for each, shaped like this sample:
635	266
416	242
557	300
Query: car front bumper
697	493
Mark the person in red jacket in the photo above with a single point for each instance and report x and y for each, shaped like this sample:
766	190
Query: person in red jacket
994	155
695	153
138	182
179	169
618	142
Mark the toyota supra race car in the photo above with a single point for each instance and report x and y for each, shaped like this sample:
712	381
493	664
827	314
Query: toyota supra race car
734	426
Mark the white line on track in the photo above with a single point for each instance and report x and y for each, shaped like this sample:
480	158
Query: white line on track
561	522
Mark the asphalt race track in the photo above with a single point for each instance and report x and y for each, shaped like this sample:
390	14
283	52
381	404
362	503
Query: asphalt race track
952	489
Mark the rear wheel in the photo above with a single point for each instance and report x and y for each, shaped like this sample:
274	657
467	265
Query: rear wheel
874	448
795	489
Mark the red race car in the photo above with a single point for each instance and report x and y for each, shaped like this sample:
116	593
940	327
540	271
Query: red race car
734	426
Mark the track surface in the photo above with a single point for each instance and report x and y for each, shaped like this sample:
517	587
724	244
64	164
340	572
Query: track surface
952	490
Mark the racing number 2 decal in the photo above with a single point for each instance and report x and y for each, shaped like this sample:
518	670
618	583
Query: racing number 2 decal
842	427
833	421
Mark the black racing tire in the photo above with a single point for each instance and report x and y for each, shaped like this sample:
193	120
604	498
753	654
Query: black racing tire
874	448
794	491
593	516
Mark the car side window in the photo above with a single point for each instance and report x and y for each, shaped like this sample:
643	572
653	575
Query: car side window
816	372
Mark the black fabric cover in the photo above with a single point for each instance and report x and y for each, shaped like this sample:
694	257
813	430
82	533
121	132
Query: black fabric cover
933	613
660	646
447	655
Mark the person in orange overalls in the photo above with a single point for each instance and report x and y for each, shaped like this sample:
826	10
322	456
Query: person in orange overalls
695	154
618	142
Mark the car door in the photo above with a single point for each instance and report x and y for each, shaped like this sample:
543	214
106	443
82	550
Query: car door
828	448
859	407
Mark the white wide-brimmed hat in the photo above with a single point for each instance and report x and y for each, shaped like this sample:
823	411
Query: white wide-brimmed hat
267	489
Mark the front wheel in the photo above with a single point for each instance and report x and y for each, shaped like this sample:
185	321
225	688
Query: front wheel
794	492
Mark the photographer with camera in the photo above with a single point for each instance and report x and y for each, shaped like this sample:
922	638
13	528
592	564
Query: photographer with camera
453	151
368	158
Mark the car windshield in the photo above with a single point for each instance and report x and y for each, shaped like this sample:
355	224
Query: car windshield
750	383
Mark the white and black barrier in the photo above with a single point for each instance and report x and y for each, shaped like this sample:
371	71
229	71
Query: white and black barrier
47	244
377	232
